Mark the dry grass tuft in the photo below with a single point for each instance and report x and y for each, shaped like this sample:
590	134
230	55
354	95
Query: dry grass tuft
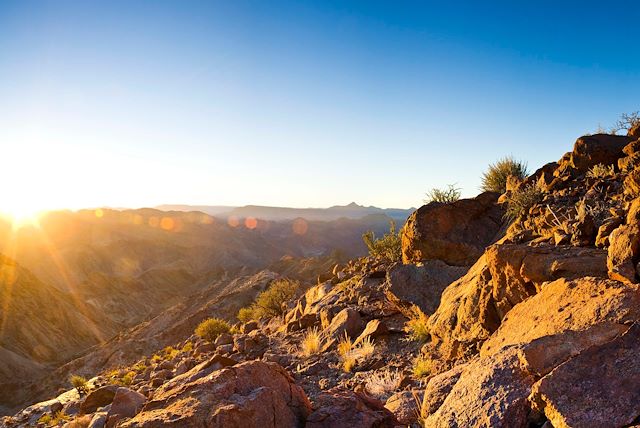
382	384
312	342
422	367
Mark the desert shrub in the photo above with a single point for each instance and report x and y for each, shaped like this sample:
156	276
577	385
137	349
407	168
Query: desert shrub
272	302
422	367
416	327
79	383
601	171
382	384
187	347
495	178
53	420
447	195
211	328
522	199
156	358
388	247
311	342
246	314
626	121
127	379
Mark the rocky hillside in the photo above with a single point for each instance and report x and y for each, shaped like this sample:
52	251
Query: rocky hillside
512	310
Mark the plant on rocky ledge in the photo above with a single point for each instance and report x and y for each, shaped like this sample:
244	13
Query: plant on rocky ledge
388	247
272	302
422	367
50	420
446	196
382	384
79	383
311	342
601	171
521	200
350	354
416	327
495	179
626	121
211	328
246	314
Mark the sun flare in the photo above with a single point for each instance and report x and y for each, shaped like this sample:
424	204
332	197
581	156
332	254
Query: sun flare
22	215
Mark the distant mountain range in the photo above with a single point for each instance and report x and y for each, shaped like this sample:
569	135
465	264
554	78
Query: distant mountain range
353	211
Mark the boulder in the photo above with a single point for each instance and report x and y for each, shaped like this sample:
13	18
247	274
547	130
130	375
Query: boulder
372	329
456	233
597	388
564	318
472	308
629	163
631	183
404	405
99	420
126	404
624	250
339	408
437	389
251	394
346	321
98	398
223	339
592	150
634	131
491	392
420	285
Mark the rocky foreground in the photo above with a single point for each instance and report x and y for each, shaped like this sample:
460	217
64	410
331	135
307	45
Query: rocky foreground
532	322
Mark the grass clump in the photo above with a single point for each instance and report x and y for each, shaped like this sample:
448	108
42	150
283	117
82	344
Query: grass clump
311	343
53	420
446	196
211	328
417	328
382	384
388	247
521	200
601	171
351	354
495	178
422	367
79	383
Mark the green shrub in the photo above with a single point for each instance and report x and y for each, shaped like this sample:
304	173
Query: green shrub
79	383
495	179
422	367
446	196
521	200
272	301
211	328
388	247
246	314
417	327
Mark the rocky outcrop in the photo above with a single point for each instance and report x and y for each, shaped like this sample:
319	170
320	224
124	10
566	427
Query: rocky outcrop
456	233
491	392
473	307
420	285
340	408
251	394
592	150
597	388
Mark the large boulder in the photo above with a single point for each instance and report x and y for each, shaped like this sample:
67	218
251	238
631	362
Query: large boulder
491	392
98	398
251	394
597	388
592	150
565	318
347	321
126	404
624	251
420	285
472	308
339	408
456	233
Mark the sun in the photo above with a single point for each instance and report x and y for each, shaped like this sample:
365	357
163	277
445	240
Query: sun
22	215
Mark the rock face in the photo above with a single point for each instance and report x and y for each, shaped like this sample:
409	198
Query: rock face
346	409
456	233
421	285
624	250
598	388
491	392
472	308
98	398
251	394
126	403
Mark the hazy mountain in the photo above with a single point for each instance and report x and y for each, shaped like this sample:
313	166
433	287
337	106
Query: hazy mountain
352	210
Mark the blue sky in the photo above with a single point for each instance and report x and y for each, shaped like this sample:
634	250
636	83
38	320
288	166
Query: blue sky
138	103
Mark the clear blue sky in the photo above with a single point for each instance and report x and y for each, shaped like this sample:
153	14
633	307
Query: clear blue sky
138	103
